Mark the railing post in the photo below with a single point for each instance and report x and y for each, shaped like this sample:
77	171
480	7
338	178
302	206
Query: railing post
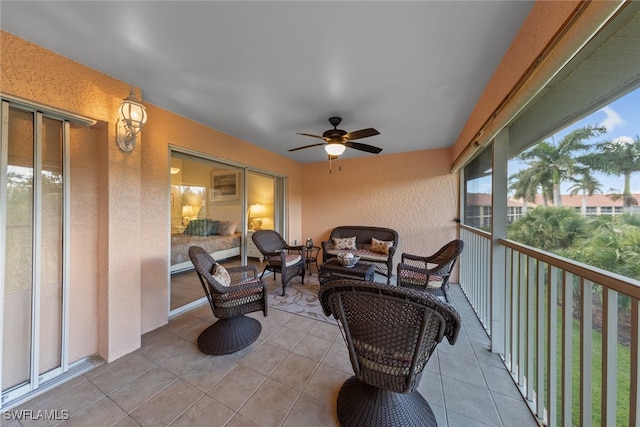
498	231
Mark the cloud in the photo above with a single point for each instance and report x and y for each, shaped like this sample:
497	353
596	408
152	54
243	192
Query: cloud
612	120
623	140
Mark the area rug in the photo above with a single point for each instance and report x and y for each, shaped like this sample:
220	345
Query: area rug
299	298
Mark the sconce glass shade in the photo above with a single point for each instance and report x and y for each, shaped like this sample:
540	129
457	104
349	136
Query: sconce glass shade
335	149
133	116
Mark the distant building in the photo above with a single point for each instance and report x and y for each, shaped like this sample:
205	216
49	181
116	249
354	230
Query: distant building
478	209
595	205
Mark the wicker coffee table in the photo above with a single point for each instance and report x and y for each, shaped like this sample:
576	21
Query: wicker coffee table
332	269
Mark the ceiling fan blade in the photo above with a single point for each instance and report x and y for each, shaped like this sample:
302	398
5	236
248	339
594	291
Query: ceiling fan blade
362	133
307	146
363	147
312	136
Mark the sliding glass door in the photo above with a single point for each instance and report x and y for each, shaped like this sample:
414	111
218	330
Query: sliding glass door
217	205
32	276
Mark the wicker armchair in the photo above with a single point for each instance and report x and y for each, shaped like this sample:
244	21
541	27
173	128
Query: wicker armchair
281	258
390	333
430	273
232	292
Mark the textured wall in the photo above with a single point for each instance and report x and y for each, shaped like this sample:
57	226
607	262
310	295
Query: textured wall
120	201
166	129
412	193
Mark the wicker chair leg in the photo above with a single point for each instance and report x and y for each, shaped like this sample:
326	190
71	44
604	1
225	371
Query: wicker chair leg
360	404
229	335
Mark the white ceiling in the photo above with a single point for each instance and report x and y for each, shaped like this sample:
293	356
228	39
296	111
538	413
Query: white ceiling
263	71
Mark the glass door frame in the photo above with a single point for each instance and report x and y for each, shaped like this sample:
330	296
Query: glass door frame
279	211
37	379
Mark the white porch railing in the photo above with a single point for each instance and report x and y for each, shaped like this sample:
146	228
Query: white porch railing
571	332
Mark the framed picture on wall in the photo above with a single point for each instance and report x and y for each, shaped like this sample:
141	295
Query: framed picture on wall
225	185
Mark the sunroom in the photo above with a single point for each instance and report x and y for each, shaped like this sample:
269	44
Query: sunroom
114	286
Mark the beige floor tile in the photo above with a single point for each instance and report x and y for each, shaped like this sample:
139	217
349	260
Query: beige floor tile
311	347
236	388
242	354
207	373
294	371
133	394
102	413
279	317
121	373
311	412
285	338
205	412
240	421
270	404
73	400
338	357
265	358
127	422
325	383
324	330
183	360
291	376
40	399
300	323
167	405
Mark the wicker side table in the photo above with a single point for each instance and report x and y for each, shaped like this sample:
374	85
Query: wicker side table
332	269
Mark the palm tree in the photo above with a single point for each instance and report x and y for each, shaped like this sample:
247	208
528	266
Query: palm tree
620	156
550	229
523	186
586	185
558	160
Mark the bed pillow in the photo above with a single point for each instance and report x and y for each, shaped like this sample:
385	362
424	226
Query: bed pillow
380	246
221	275
223	228
198	227
233	226
213	227
347	243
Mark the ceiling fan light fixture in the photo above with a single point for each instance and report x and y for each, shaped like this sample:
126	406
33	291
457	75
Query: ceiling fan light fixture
335	148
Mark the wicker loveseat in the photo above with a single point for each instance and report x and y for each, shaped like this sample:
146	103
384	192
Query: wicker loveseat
383	262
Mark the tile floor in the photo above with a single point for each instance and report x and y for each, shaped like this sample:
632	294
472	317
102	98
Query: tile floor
289	377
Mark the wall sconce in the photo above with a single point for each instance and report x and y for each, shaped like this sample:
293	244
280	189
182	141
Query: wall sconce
187	213
133	116
256	212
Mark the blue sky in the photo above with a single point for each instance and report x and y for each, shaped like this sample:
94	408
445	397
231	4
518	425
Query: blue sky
622	119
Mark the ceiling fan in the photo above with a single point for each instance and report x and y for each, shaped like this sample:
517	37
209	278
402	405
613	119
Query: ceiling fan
337	140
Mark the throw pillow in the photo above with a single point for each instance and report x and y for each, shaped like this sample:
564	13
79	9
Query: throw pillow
213	227
198	227
380	246
223	228
435	282
221	275
346	243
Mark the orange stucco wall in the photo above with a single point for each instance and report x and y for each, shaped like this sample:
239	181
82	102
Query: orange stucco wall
120	201
412	193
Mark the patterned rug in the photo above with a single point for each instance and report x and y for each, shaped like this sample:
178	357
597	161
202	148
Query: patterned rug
299	298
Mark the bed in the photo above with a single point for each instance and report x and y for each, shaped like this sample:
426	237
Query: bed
218	238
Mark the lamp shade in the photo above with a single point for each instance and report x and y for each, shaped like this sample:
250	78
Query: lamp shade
335	148
187	211
257	210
